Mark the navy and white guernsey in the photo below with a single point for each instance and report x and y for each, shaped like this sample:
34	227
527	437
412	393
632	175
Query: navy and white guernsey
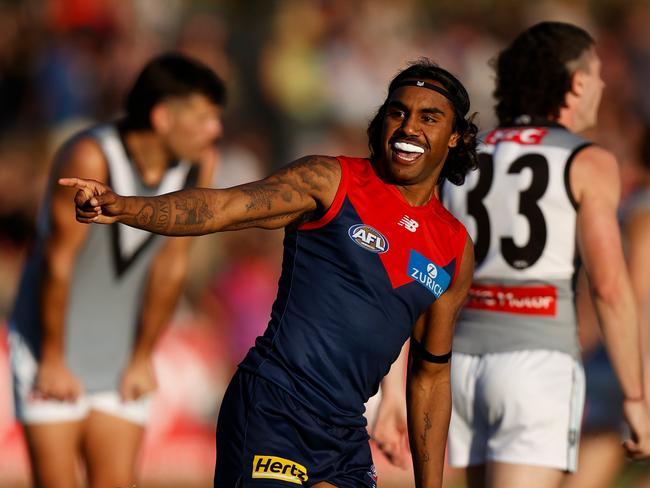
352	286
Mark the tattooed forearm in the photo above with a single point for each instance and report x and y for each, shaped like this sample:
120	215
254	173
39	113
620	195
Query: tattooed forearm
182	213
153	214
192	211
146	215
163	213
424	454
298	193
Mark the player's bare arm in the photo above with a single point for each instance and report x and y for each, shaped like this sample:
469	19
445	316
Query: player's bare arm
389	430
81	157
637	236
428	383
299	192
164	285
595	183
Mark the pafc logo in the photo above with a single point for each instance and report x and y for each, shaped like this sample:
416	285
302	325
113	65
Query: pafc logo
368	238
277	468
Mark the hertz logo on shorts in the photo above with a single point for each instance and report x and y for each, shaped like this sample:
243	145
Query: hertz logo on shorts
278	468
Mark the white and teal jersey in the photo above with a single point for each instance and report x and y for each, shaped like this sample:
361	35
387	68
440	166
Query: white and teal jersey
521	214
109	275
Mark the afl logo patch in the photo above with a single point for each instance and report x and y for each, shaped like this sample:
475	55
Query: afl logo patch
368	238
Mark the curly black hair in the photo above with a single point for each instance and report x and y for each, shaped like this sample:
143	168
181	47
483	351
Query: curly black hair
461	158
534	73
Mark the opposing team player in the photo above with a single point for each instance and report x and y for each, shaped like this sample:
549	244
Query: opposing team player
601	458
370	258
542	195
92	301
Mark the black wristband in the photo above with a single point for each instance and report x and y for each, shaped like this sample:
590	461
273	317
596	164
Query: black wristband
420	352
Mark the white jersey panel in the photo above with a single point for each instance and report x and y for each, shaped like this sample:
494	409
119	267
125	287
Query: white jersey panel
519	211
539	216
109	276
125	181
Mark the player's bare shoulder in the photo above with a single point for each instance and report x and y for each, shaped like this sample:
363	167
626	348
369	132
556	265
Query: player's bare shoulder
81	156
594	169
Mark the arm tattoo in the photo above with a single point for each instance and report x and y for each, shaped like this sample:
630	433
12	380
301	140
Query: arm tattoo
293	195
184	213
146	215
163	212
261	195
294	182
194	211
423	437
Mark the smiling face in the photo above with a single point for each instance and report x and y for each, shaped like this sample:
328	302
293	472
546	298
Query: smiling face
417	134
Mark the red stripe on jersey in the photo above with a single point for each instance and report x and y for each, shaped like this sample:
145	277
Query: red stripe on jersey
336	204
524	300
428	229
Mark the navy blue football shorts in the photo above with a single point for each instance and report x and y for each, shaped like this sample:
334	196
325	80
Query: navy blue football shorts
265	438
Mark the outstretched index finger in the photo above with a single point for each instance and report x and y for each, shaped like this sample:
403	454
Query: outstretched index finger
74	183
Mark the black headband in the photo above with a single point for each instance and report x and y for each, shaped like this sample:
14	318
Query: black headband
455	102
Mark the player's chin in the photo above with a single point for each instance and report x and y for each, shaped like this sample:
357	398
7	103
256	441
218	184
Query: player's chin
404	174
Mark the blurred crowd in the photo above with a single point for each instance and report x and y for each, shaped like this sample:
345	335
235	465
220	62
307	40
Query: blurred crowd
303	77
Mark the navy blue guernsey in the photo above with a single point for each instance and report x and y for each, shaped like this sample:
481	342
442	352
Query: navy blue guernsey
352	286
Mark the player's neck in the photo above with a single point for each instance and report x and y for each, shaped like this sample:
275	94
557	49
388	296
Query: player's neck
148	154
417	195
570	119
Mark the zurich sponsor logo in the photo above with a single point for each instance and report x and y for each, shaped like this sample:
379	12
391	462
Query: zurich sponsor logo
428	274
368	238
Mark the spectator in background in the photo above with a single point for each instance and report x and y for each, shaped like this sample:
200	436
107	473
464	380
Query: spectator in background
93	301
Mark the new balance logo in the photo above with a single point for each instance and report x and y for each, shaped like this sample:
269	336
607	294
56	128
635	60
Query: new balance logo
408	223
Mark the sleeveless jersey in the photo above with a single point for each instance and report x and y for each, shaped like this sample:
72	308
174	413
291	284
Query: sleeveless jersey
109	276
352	286
520	212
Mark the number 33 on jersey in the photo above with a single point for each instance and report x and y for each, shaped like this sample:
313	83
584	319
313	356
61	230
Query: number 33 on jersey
518	205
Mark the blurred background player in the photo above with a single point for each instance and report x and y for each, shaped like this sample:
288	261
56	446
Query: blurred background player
541	195
601	457
93	300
